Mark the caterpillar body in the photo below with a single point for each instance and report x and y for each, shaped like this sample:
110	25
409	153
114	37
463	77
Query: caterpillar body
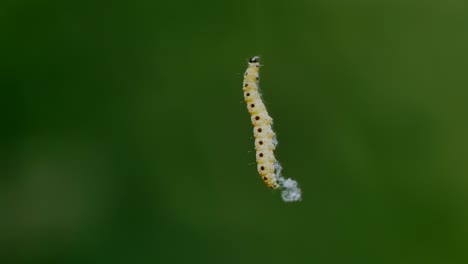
265	138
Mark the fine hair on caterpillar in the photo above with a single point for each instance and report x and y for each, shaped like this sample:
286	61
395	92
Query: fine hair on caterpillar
268	167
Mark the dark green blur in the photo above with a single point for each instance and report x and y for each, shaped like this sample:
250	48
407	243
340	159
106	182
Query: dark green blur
124	137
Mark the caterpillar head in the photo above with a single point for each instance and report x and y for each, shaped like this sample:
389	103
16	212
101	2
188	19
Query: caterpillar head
254	59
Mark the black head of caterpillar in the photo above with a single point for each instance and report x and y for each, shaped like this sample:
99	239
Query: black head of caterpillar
254	59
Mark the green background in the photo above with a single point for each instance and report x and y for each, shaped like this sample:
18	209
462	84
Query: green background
125	138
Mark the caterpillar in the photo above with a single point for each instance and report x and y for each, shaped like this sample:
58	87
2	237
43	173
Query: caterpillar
265	138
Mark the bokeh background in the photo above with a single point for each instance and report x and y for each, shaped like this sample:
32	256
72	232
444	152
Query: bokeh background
125	139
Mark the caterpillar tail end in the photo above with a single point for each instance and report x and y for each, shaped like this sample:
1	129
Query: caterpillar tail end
273	186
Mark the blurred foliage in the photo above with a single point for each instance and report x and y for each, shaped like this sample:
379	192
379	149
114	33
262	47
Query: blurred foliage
125	138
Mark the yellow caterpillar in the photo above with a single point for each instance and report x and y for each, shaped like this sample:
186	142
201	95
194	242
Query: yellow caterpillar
265	138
